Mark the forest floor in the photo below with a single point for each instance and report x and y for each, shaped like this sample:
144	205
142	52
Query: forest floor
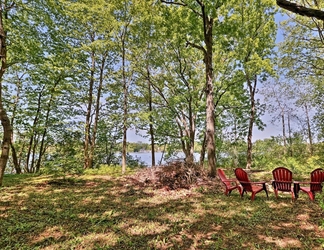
132	212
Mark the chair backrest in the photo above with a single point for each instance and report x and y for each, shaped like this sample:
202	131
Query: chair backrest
317	177
221	174
243	178
282	178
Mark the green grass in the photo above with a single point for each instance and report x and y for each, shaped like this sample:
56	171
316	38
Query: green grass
105	212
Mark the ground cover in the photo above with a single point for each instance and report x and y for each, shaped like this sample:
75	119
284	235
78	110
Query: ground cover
131	212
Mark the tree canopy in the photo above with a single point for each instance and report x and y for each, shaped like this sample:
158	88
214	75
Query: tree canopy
191	75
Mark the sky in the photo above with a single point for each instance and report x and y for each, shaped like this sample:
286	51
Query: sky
270	129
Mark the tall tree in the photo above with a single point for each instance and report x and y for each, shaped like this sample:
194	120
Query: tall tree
205	13
5	121
256	31
95	46
125	18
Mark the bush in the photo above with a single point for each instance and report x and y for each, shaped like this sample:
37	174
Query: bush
104	170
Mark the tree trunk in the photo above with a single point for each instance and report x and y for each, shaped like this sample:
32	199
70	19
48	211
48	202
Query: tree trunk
210	105
192	131
30	152
252	89
87	132
13	149
202	151
42	147
32	165
125	104
289	135
309	131
151	129
5	122
97	110
284	131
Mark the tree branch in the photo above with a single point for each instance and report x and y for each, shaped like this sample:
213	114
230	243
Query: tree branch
172	2
301	10
182	4
197	47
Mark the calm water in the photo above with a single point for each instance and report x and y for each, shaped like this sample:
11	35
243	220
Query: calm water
147	157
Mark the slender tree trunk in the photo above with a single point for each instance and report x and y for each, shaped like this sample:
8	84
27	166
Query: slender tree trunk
252	89
192	126
21	152
97	111
190	133
181	121
289	136
309	131
189	130
42	147
284	131
33	155
87	132
125	104
30	162
151	129
235	151
13	149
202	151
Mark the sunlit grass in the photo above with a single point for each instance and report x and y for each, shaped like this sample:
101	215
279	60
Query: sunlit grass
109	212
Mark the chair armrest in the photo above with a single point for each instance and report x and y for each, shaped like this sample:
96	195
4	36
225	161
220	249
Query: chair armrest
258	182
273	181
254	182
306	182
231	180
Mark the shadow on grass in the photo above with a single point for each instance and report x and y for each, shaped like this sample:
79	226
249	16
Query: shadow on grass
107	213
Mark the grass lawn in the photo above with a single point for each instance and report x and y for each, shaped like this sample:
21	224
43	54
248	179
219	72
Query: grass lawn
106	212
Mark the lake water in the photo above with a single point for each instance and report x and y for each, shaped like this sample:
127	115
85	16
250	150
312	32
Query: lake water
146	157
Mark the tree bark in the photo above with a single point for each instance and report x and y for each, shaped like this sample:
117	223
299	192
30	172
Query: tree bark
284	131
150	102
15	160
125	104
252	89
42	148
300	9
289	136
202	151
30	152
210	105
5	122
309	131
87	132
97	111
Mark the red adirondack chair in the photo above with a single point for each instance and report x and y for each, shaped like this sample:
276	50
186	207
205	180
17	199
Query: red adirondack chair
248	186
230	184
283	181
314	186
